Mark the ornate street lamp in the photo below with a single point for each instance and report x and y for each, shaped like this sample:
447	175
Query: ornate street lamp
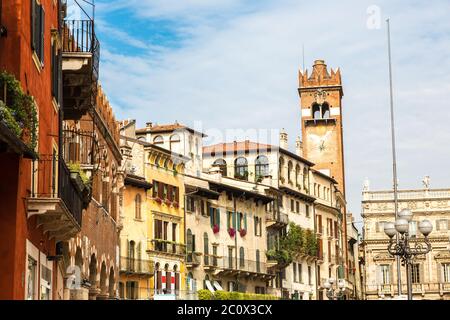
332	292
404	248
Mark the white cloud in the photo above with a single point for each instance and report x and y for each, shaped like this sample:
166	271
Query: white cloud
241	72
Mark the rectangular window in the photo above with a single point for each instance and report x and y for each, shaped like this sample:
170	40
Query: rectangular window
415	273
46	283
155	188
294	269
300	271
31	275
446	272
307	210
385	273
292	206
309	275
37	29
297	207
190	204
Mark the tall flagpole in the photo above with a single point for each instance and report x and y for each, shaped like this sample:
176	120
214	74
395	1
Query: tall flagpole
394	156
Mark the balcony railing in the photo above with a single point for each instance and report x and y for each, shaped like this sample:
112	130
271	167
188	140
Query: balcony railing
138	266
166	246
277	218
79	37
406	195
80	146
192	259
52	180
242	265
417	288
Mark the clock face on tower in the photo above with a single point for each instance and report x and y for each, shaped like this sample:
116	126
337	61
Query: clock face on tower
319	144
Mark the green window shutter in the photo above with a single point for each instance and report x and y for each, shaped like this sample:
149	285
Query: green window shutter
41	38
238	221
255	222
233	216
211	216
228	219
245	221
218	217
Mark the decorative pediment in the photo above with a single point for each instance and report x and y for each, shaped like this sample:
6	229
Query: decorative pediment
442	255
384	256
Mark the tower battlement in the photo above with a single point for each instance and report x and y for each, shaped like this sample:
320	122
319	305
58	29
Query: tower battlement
320	76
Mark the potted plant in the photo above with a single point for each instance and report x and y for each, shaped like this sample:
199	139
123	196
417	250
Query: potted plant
232	232
175	204
158	200
167	202
216	228
243	232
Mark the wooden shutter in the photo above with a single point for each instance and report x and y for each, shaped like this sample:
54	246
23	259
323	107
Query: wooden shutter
34	20
255	221
260	226
170	193
234	220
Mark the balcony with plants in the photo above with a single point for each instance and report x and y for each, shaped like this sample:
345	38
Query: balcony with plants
56	198
18	118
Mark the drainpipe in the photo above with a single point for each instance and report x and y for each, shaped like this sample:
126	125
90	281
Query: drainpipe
235	239
316	273
184	224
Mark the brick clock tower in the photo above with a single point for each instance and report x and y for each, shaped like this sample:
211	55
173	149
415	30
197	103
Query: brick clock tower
321	95
321	106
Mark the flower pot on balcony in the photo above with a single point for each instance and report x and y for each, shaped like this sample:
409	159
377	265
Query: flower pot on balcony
167	202
243	232
231	232
216	228
158	200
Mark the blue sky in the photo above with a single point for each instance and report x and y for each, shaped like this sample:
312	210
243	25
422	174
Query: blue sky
234	64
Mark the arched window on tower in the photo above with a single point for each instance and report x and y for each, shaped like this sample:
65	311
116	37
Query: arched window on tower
316	111
175	143
325	111
158	140
137	210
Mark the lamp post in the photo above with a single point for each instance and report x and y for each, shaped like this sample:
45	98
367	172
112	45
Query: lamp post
403	247
332	292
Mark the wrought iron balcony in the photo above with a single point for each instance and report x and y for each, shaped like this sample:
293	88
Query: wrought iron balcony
81	147
81	57
276	219
228	265
167	247
57	198
192	259
136	266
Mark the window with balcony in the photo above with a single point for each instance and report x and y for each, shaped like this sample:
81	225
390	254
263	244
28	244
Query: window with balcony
241	257
190	204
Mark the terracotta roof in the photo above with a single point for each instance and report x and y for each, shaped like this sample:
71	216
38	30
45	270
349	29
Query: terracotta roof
237	146
167	128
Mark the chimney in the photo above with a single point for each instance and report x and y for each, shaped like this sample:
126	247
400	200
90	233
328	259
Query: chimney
283	139
149	124
299	147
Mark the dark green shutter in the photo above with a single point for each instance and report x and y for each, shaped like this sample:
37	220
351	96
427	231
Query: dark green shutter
42	30
228	219
218	217
245	221
211	216
234	220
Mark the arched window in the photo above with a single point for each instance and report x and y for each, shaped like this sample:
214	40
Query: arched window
325	111
222	165
137	206
190	245
290	167
177	279
158	140
280	169
305	179
168	278
204	282
241	168
175	143
158	278
206	249
241	257
316	111
261	167
297	175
